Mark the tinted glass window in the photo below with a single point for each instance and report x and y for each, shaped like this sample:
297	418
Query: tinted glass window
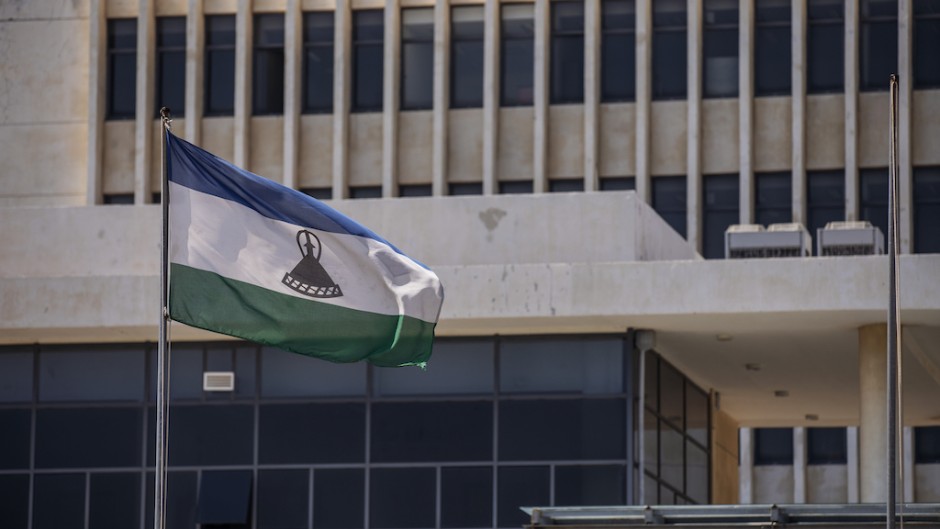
16	376
267	90
671	395
567	59
669	200
515	187
671	458
772	47
669	49
566	185
825	199
457	189
432	431
517	54
338	498
414	190
122	68
927	444
14	499
210	435
618	183
575	366
720	206
466	497
319	193
181	496
825	446
926	210
593	429
772	198
874	198
825	46
926	41
618	50
219	76
171	65
391	488
365	192
466	56
521	486
590	485
773	446
318	62
91	375
878	43
459	367
224	497
283	499
59	501
293	433
246	375
103	437
720	48
15	440
696	473
285	374
417	58
367	60
114	500
696	414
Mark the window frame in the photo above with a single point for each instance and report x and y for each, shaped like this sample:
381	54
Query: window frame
311	44
462	37
559	71
113	51
663	29
359	44
814	26
216	51
784	88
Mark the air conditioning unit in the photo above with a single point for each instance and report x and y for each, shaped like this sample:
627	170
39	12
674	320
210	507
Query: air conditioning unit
850	238
752	241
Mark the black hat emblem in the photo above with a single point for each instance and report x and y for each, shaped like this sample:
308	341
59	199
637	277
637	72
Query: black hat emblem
309	277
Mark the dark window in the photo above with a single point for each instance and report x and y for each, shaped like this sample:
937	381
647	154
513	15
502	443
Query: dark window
567	62
772	202
466	57
59	501
220	65
669	49
181	496
414	190
122	68
365	192
15	441
515	187
368	34
246	375
927	209
926	42
210	435
556	365
118	198
16	376
696	473
874	198
14	499
696	414
392	488
293	433
224	497
720	210
318	62
520	486
669	200
594	429
590	485
97	437
927	444
671	395
283	499
772	47
285	374
319	193
114	500
720	48
267	91
773	446
69	375
566	185
617	183
465	188
825	199
338	498
466	497
517	55
417	58
878	43
618	50
825	446
671	456
432	431
171	65
825	46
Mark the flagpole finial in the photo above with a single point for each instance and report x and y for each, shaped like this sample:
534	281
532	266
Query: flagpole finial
165	116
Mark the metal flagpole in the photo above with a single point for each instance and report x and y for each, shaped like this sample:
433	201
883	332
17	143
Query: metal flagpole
159	486
893	311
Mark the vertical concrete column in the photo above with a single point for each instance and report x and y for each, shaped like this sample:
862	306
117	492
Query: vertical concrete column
293	56
851	456
491	31
195	51
798	110
799	465
746	109
905	111
97	68
851	110
592	91
144	112
873	413
746	468
342	53
644	91
907	443
391	97
694	140
540	97
244	42
441	98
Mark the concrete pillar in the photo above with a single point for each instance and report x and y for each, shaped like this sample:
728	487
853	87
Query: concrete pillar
798	110
342	42
491	30
592	92
244	32
540	97
851	110
746	109
97	68
195	50
293	57
851	453
907	444
644	91
873	413
391	97
799	465
694	141
906	82
143	126
441	98
746	468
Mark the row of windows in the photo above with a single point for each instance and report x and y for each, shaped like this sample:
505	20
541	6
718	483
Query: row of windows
827	446
720	50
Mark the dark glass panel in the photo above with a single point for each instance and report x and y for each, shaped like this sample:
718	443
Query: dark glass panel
285	374
773	446
123	199
365	192
651	382
210	435
518	487
59	501
15	439
515	187
540	365
414	190
318	62
926	44
825	199
650	443
720	206
417	58
181	496
103	437
318	27
566	185
295	433
283	499
618	56
590	485
593	429
114	500
874	198
669	64
772	203
466	89
122	34
14	500
671	456
268	65
517	55
319	193
219	358
392	488
432	431
696	413
926	444
466	497
617	183
220	65
122	82
826	446
68	375
220	30
368	61
772	59
720	48
470	188
338	497
224	497
926	210
460	367
825	45
878	43
696	473
567	52
669	200
246	376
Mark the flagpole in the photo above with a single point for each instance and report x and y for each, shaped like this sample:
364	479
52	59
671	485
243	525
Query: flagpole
893	311
159	486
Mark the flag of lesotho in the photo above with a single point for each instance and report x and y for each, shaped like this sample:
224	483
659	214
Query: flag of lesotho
253	259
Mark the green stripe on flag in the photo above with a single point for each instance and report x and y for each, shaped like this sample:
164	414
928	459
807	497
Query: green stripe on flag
209	301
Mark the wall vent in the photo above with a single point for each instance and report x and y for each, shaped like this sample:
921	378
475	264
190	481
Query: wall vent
850	238
218	381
